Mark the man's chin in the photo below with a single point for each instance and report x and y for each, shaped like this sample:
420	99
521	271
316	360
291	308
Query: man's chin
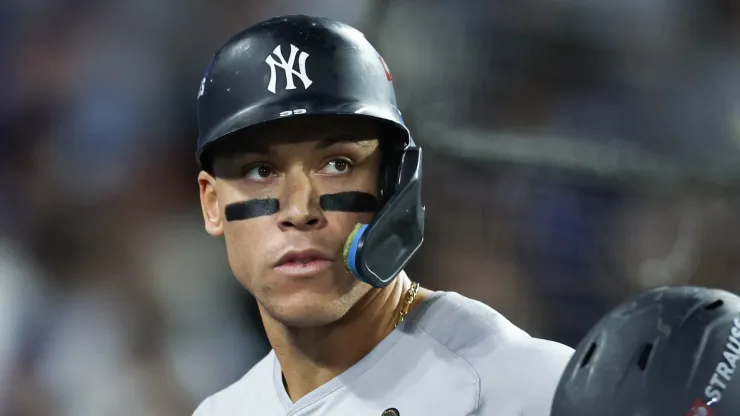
306	317
305	310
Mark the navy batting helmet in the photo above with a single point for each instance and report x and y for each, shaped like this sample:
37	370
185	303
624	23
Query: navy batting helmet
302	66
666	351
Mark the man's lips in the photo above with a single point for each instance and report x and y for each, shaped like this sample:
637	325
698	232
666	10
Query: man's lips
303	262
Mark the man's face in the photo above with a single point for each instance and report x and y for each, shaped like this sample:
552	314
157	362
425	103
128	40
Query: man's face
294	163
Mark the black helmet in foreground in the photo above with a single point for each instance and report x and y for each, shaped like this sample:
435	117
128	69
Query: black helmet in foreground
666	351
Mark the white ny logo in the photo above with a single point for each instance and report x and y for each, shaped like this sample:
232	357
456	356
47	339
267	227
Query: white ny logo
288	68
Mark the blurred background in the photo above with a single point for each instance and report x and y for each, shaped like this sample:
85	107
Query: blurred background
576	152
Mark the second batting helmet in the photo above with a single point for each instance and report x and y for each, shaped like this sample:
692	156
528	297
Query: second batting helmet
303	66
666	351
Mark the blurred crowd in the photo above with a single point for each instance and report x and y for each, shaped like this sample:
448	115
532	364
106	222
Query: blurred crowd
575	152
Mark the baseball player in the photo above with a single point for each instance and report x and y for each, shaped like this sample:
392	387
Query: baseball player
667	351
313	180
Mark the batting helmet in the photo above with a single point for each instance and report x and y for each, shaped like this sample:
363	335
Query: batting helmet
666	351
303	66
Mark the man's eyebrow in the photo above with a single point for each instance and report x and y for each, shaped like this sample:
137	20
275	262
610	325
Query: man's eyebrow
263	148
332	140
238	146
258	148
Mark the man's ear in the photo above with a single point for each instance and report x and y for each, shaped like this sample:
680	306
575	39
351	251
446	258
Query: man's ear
209	204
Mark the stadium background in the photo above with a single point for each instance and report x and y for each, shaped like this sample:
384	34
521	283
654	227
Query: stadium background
576	152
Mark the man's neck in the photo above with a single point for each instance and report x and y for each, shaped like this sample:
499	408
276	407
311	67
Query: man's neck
311	357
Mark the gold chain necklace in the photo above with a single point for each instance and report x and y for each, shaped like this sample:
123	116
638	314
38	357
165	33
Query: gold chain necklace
409	299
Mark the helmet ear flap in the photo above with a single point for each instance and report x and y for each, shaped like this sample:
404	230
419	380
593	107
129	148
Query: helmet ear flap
390	159
391	148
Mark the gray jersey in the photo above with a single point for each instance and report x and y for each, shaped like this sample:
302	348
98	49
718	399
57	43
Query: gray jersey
453	356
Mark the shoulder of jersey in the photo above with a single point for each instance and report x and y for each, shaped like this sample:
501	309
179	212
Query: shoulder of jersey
508	362
228	400
460	323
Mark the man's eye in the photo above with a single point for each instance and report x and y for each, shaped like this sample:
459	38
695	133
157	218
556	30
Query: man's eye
259	173
337	166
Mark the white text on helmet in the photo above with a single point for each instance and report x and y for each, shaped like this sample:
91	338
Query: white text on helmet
725	369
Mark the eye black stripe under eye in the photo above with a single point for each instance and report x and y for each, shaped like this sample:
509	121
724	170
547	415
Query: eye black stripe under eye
349	202
245	210
343	202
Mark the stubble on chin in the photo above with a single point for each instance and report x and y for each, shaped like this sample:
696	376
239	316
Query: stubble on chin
310	311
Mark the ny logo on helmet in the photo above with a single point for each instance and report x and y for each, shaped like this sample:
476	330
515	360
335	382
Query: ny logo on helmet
288	68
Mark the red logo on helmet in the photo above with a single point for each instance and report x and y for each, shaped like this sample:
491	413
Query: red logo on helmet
385	67
699	408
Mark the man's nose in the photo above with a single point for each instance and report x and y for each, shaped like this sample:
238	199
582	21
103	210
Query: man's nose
299	206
